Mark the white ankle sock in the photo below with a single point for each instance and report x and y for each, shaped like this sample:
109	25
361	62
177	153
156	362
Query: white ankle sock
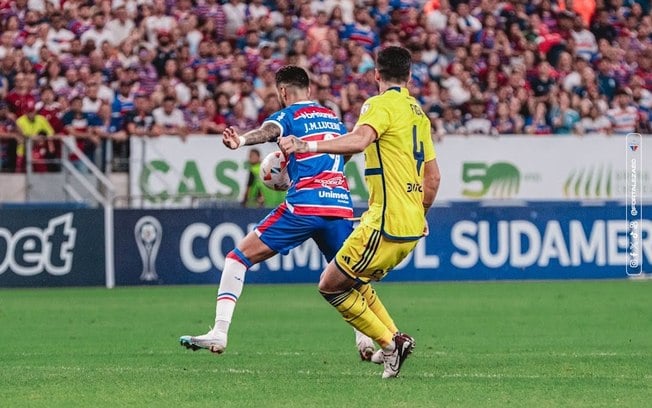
389	348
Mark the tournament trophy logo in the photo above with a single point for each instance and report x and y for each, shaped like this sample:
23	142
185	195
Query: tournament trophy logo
148	233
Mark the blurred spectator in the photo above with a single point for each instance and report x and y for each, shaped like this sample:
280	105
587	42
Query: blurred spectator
467	23
235	12
158	22
98	33
361	32
32	125
120	26
91	101
50	109
214	122
317	33
20	98
123	102
32	47
238	119
183	87
606	79
107	128
586	45
543	83
251	102
194	115
170	118
211	10
146	72
593	122
602	28
504	122
538	124
79	124
140	121
623	116
166	51
477	122
9	137
564	119
324	97
75	57
450	123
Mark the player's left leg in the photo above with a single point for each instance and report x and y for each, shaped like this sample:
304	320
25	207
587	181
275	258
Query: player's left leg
376	305
339	290
367	255
363	342
330	238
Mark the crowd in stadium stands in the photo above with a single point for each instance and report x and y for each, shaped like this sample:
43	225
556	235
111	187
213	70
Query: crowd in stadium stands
115	69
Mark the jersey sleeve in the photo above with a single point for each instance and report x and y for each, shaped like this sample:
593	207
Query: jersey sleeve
282	120
373	113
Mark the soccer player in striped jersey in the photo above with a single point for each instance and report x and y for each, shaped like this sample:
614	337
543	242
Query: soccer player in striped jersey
317	205
403	178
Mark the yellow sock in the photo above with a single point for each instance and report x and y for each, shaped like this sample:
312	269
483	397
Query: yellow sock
353	308
376	306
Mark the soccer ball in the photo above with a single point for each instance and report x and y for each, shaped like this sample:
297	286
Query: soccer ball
274	172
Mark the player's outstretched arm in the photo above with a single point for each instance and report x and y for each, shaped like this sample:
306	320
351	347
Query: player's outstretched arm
266	133
353	142
431	178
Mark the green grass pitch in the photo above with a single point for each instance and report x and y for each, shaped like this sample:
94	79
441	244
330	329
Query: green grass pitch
516	344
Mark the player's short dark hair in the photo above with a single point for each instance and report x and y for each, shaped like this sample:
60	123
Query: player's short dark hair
393	64
292	75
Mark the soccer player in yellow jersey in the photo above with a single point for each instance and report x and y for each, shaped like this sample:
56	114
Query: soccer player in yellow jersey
402	174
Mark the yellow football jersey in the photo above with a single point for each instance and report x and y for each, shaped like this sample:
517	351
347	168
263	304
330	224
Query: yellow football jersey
394	163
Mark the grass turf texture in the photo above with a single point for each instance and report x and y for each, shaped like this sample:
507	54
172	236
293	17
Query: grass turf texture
532	344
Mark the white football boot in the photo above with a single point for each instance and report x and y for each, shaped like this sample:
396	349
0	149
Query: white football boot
393	360
213	341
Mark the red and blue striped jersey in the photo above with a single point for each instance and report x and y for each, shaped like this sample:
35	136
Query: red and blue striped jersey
318	186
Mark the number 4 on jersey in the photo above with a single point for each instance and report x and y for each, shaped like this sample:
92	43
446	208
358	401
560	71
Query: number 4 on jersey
417	149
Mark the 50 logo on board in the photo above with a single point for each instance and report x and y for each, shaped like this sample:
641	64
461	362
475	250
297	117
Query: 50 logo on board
31	250
495	180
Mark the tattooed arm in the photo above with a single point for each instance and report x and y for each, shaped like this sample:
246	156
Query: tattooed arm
266	133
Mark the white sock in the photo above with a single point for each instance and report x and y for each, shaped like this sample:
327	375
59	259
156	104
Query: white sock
389	348
231	284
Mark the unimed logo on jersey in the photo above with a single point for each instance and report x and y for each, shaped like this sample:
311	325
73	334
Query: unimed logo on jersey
32	250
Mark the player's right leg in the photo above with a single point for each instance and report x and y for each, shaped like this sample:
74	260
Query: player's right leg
250	251
278	232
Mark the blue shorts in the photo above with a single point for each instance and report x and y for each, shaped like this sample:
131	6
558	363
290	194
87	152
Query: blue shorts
281	230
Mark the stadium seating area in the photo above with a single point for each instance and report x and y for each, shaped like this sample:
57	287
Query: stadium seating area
141	68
